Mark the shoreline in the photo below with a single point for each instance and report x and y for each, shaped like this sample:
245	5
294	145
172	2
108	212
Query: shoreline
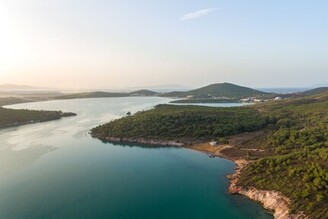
139	141
17	124
271	200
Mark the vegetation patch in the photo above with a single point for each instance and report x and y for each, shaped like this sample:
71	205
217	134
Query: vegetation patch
13	117
298	164
172	122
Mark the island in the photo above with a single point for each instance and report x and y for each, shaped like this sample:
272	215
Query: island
280	146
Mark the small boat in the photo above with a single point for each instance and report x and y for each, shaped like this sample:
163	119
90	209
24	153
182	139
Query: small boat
211	155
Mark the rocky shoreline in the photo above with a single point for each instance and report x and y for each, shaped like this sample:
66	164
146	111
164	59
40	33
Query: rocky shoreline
140	141
271	200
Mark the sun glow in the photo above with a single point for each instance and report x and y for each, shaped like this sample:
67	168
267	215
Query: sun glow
65	43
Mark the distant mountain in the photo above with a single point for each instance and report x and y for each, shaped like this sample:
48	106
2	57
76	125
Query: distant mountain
315	91
163	88
96	94
143	92
320	85
174	94
224	90
99	94
284	90
15	87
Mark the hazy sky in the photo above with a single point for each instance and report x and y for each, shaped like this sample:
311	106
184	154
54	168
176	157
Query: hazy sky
128	43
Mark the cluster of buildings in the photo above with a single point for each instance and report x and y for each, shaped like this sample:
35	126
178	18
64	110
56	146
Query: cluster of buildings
257	100
243	100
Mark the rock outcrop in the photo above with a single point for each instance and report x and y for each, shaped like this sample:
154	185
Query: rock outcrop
271	200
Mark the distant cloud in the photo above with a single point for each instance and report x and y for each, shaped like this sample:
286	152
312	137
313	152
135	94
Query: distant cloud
198	13
50	40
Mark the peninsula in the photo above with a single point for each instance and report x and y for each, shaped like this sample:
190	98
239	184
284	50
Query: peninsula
280	146
15	117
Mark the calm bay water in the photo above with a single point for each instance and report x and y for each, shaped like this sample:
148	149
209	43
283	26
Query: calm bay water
56	170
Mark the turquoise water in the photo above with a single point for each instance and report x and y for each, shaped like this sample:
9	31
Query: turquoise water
56	170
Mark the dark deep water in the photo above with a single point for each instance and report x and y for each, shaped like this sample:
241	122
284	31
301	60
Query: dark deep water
56	170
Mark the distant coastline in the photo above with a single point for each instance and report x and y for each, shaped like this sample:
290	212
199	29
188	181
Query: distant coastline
213	93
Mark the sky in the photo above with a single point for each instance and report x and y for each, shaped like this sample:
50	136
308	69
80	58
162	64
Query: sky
88	44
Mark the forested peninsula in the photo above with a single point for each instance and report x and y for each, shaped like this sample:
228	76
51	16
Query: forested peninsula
284	144
15	117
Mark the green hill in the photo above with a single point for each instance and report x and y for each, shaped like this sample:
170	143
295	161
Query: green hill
315	91
224	90
143	92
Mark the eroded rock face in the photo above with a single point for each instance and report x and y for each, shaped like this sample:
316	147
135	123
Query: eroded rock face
270	200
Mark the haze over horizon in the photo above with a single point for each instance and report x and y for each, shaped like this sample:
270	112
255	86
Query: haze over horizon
119	44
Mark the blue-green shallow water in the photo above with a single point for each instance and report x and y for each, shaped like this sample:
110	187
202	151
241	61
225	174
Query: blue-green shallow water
56	170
